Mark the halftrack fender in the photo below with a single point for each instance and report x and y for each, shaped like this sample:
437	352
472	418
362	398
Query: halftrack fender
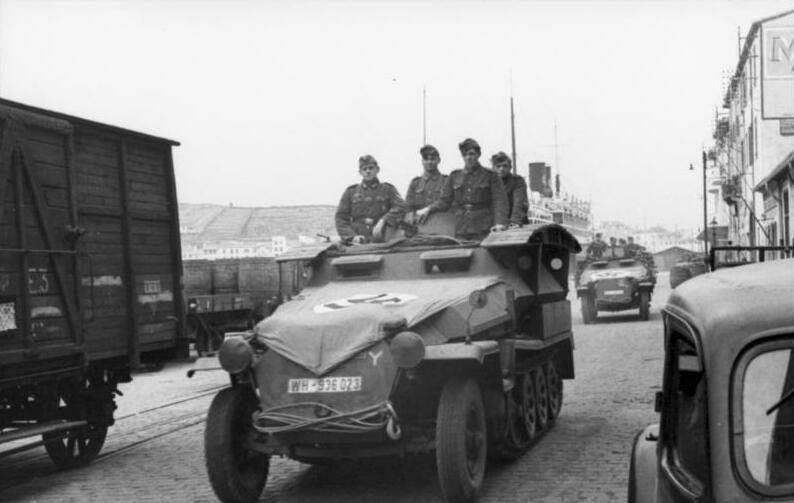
476	351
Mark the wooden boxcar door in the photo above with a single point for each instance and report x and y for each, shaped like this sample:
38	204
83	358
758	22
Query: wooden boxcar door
38	259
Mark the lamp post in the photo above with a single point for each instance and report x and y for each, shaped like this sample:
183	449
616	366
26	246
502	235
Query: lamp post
705	215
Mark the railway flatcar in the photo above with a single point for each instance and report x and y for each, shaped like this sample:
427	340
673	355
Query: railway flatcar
90	275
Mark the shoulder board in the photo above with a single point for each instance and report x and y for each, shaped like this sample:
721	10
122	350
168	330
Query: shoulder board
353	186
387	184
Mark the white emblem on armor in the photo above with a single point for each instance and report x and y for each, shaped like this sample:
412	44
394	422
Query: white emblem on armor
375	357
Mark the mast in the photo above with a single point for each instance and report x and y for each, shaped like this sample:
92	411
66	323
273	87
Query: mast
513	133
424	116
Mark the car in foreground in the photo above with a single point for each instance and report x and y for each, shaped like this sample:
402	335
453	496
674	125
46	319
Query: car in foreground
726	425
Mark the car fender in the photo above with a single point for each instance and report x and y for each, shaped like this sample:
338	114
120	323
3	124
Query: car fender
644	470
476	350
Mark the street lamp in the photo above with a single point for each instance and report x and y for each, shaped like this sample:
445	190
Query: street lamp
705	216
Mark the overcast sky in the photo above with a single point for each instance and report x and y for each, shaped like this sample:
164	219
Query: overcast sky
273	102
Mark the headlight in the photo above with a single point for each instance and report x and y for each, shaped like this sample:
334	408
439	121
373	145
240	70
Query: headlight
235	355
407	349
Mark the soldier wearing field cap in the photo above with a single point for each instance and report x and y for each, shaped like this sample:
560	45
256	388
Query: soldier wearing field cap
515	187
367	208
425	189
474	194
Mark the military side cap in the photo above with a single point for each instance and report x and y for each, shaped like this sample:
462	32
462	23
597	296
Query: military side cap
367	160
429	150
468	144
501	158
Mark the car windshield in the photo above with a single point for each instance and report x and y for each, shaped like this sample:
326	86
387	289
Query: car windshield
767	420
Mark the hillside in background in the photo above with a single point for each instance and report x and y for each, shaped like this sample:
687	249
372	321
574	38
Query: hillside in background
203	224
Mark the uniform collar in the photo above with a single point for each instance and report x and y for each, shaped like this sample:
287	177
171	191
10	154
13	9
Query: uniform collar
475	169
431	176
370	185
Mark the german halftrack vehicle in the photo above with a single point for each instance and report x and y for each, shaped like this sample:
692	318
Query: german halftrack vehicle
617	281
415	345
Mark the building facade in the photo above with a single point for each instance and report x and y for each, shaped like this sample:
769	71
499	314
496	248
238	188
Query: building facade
754	137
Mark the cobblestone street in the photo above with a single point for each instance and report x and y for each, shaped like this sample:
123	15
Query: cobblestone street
584	458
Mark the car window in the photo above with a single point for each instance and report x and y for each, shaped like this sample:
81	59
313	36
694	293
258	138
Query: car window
765	432
688	420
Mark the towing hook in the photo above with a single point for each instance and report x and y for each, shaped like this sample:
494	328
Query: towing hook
193	371
393	429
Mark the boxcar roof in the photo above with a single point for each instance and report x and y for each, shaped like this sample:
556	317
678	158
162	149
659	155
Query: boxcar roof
729	305
78	120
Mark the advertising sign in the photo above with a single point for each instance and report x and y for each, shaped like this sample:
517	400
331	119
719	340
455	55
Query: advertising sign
777	75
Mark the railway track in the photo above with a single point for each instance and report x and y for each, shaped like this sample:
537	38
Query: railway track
129	432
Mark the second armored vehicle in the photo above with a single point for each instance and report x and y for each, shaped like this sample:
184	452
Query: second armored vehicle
616	282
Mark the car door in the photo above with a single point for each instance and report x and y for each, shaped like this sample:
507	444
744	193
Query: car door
684	455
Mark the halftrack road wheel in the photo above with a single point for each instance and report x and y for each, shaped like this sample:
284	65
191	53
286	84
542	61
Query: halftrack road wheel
521	420
645	302
554	384
461	440
541	397
237	474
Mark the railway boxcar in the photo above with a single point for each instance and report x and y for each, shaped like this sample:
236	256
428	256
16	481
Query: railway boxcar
90	274
228	295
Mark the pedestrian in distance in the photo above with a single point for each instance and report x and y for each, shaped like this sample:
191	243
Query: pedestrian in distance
425	189
366	209
475	195
515	187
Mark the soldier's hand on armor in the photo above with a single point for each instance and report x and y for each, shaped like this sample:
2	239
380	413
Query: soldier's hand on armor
421	215
498	228
410	217
377	231
358	240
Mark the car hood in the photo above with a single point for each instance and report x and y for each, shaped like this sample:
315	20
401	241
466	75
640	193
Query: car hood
327	324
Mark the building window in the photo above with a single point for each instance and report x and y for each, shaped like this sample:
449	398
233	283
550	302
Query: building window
785	223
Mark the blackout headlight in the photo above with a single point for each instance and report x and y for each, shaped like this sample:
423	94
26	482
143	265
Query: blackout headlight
235	355
407	349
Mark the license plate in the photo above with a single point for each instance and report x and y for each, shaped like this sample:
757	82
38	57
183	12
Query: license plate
613	292
325	385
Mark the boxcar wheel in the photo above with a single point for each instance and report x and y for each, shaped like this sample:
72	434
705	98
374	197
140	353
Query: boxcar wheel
77	447
461	440
237	474
521	420
554	385
645	302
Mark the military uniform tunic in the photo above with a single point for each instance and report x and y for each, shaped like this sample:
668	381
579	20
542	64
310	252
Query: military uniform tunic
478	200
517	198
424	190
364	204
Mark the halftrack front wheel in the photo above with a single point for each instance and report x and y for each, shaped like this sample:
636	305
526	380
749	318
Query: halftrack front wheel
461	435
589	310
645	303
237	474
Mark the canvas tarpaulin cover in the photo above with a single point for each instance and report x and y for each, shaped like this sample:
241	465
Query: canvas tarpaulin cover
327	324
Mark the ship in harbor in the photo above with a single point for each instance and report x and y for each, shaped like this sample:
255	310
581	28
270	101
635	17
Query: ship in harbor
548	204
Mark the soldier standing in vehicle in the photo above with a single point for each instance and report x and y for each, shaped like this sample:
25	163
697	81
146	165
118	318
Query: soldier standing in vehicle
367	208
597	247
475	195
424	190
515	187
